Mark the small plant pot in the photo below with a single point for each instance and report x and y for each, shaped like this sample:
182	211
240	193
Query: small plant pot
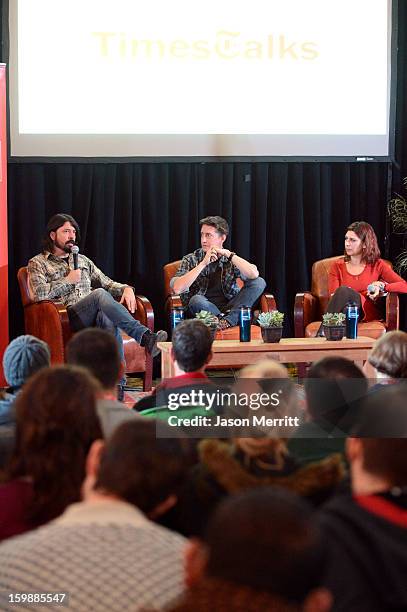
334	332
271	334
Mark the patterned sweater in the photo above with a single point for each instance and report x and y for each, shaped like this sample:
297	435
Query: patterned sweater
106	555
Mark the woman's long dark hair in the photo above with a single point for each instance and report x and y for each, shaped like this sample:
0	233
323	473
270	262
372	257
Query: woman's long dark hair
56	423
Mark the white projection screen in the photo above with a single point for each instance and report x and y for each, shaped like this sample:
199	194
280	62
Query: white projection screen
201	78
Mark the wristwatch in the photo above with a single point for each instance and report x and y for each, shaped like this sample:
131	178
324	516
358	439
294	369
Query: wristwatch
232	254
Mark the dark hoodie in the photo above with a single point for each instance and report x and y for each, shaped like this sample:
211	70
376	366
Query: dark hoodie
367	539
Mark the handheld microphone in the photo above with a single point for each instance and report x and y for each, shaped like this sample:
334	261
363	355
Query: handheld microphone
75	251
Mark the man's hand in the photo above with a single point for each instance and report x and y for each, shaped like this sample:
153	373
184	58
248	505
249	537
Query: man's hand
222	252
129	299
210	256
73	277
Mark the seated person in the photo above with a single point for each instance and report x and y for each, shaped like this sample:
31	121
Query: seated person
206	278
87	293
105	551
23	357
226	467
389	358
262	551
97	351
366	533
362	277
334	389
56	424
190	353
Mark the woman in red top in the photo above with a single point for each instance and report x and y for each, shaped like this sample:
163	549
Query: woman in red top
362	276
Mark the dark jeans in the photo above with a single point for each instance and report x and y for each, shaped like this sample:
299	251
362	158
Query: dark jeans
100	309
338	302
247	296
342	296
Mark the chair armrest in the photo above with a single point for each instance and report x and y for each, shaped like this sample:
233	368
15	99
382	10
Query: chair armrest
267	302
49	321
305	311
392	311
144	312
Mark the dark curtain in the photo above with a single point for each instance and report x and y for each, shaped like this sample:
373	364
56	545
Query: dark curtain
135	217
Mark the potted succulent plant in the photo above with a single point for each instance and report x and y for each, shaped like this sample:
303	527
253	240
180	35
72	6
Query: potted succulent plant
208	319
271	324
334	325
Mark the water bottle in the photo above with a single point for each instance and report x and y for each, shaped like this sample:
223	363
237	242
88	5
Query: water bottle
352	316
245	318
177	316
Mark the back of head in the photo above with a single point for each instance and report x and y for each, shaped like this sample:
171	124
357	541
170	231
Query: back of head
382	429
54	224
334	387
97	350
266	368
265	539
266	388
56	423
141	468
219	223
23	357
191	345
389	354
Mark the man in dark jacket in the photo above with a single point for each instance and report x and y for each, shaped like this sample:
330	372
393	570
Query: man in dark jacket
367	532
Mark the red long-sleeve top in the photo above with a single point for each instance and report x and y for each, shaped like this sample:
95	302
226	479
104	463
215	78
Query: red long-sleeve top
379	271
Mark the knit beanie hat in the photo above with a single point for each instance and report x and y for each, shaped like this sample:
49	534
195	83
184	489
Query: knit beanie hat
24	356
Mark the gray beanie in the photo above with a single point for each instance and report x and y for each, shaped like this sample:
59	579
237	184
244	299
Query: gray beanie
24	356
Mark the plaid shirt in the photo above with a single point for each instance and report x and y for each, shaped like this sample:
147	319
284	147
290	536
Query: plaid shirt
229	274
47	273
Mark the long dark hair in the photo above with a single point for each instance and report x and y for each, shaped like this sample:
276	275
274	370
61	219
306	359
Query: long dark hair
56	423
365	232
53	225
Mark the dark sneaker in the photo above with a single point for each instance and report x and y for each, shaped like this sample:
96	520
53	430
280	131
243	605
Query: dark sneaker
149	341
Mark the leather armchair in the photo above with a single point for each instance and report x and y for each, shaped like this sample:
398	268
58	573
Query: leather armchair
267	303
311	305
49	321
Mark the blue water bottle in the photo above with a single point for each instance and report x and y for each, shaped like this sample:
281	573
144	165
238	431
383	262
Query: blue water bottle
352	316
177	316
245	318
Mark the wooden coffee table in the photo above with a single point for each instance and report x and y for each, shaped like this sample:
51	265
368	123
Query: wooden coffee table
235	354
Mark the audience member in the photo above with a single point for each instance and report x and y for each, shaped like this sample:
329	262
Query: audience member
334	388
389	358
262	551
23	357
97	350
367	533
190	353
56	423
105	552
240	463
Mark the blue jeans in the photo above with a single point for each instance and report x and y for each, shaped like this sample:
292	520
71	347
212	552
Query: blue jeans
247	296
100	309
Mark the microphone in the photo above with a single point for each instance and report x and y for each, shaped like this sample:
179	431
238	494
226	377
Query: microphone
75	251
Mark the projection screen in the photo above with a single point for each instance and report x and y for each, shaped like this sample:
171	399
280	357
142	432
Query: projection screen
200	78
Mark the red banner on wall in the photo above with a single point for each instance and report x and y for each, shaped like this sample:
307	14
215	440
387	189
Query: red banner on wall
4	338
